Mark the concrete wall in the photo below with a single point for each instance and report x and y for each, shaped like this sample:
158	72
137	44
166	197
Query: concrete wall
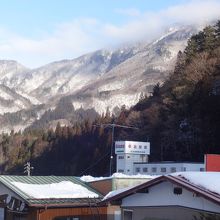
106	185
120	183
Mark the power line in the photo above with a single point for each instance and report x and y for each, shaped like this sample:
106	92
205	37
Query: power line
112	126
94	164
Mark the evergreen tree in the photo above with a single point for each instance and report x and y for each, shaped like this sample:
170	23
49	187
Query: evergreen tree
156	90
209	41
58	130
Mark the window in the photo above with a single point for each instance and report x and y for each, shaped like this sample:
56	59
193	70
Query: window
145	147
127	215
163	170
177	190
173	169
135	146
137	169
184	168
154	169
120	157
121	171
128	157
140	146
145	169
202	169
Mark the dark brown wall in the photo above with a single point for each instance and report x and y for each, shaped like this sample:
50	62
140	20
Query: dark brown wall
32	214
84	213
102	186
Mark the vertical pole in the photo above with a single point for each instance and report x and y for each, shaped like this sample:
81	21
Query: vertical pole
111	156
28	168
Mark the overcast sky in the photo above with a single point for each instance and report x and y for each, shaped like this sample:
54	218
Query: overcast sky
36	32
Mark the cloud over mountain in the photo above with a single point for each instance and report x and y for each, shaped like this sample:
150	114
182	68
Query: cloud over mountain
81	35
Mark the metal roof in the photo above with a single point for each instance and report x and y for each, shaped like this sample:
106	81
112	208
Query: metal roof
7	180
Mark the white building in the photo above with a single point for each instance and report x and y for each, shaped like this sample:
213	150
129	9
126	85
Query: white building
130	152
161	168
132	159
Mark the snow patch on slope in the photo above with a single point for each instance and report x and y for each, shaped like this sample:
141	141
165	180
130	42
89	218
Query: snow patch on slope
115	101
32	99
111	86
101	105
8	109
5	95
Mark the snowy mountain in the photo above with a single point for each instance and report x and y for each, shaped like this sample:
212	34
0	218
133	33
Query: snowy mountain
10	69
10	101
123	84
63	77
100	80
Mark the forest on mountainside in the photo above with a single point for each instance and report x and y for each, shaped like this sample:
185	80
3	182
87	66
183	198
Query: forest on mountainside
181	119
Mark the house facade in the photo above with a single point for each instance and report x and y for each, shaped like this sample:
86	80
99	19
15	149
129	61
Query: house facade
193	196
49	198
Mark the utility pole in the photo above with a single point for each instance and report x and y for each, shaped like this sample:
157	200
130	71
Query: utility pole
113	126
28	168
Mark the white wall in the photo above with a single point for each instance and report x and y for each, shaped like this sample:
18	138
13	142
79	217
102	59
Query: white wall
162	195
5	190
126	165
180	167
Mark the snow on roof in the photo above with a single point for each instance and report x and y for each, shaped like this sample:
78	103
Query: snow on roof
64	189
116	192
89	178
116	175
207	180
140	176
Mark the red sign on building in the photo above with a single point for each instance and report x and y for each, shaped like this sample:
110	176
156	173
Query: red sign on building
212	162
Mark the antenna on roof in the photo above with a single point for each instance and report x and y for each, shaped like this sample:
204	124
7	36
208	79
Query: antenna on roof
28	168
112	126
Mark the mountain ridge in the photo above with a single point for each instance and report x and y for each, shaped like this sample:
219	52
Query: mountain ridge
101	80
